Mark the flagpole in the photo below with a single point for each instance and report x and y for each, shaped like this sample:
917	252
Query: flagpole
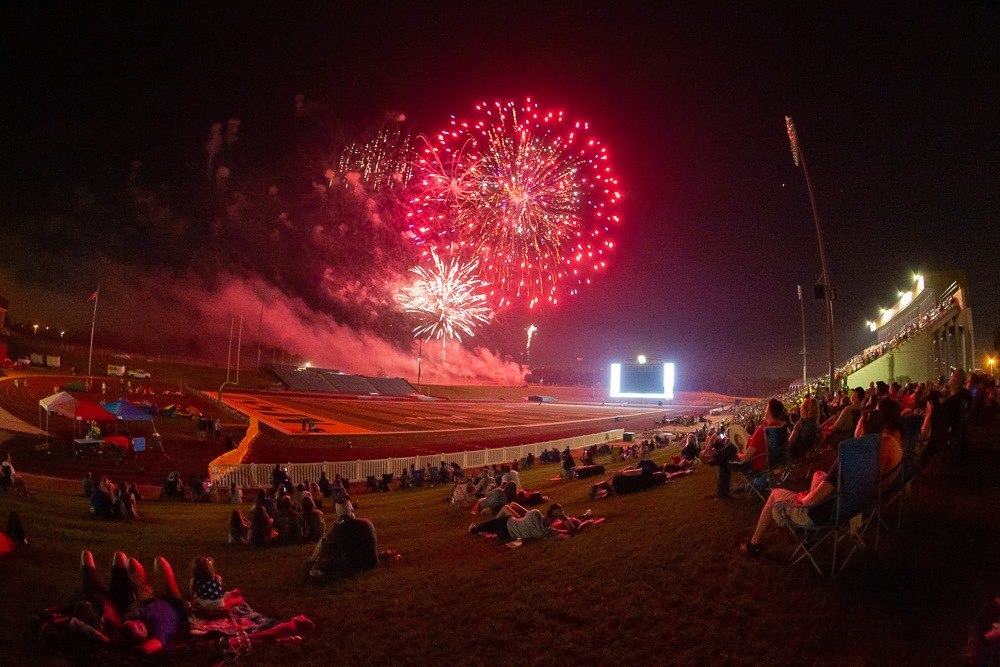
93	322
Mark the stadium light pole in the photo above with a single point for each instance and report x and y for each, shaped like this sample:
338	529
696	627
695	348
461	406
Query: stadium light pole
802	305
799	158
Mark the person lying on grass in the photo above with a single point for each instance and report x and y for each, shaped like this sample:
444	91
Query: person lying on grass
514	522
645	475
126	614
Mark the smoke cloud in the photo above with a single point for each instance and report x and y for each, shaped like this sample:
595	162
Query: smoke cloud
323	252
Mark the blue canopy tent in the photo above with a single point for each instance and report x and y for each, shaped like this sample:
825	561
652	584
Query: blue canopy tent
128	412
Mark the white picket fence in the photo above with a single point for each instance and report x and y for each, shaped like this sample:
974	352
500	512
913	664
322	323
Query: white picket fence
259	474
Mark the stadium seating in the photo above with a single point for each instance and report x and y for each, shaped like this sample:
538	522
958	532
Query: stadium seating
325	381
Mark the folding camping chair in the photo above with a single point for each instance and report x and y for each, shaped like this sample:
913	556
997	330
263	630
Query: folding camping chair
776	466
900	478
462	497
857	482
807	453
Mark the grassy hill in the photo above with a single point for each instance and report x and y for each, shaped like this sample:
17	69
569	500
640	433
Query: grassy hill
660	582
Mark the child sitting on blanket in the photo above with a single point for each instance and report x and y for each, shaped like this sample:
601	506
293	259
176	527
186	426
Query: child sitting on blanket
206	585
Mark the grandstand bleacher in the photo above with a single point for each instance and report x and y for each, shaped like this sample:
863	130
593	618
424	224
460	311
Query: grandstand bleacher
327	381
925	333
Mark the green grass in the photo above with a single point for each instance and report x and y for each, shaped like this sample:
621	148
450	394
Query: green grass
660	582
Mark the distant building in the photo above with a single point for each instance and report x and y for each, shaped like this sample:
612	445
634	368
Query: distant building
923	335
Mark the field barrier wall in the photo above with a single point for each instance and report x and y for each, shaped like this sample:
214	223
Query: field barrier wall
259	474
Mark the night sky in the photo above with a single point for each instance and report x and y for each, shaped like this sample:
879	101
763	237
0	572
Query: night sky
896	110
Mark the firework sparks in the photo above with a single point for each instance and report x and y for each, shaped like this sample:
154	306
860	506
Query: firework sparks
527	192
448	299
384	161
527	348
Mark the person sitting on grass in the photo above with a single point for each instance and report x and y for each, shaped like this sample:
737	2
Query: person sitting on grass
316	495
511	475
337	489
514	522
755	457
206	586
172	487
485	482
324	484
568	464
101	502
261	532
287	522
10	479
351	545
808	506
235	494
239	528
267	502
312	521
690	450
124	504
497	498
134	490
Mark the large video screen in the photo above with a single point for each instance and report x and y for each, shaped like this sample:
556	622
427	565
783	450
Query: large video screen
642	381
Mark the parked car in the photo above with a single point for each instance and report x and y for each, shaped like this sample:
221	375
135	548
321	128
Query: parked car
140	374
24	361
122	355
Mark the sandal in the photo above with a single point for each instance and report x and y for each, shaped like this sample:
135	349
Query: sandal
751	550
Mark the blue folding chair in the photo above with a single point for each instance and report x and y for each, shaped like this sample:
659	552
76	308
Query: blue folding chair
857	484
898	481
776	466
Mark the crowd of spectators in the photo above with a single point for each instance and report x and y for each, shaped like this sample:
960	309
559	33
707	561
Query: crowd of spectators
290	513
109	500
945	408
130	615
942	310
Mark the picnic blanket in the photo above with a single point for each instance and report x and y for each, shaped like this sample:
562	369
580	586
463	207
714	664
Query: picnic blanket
75	640
236	617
